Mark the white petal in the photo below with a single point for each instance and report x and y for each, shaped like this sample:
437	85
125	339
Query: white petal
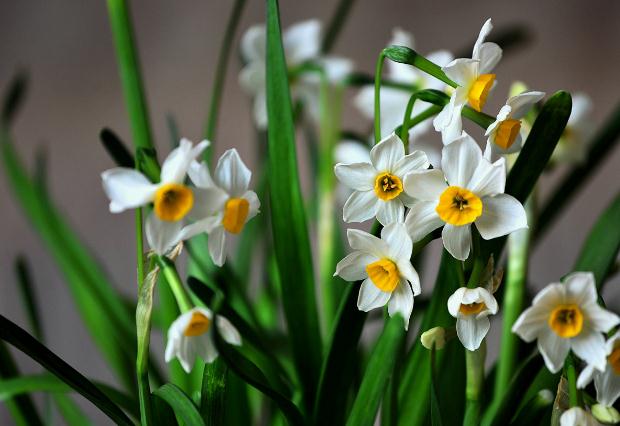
501	215
422	219
471	330
217	245
581	287
427	185
363	241
353	266
589	345
582	107
357	176
455	300
127	189
204	348
228	331
361	206
390	211
577	416
488	178
231	174
600	319
460	159
457	240
554	349
550	296
200	175
462	71
175	166
207	202
387	153
302	41
449	121
207	224
364	101
162	235
586	376
489	301
401	302
399	243
490	55
408	272
349	152
336	68
523	102
417	160
484	32
531	323
370	297
607	386
252	78
254	202
259	110
253	43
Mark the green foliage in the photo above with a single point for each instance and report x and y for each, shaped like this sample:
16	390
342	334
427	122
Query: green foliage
181	404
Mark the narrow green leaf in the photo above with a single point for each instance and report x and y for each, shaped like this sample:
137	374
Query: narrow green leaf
14	98
290	232
435	409
214	393
378	372
600	250
116	149
181	404
601	146
339	365
336	24
16	336
71	413
250	373
27	293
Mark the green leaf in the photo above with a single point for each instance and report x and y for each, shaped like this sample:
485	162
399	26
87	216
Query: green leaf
250	373
181	404
336	24
144	310
378	372
339	365
116	149
14	98
16	336
290	231
27	293
435	409
600	147
598	253
70	411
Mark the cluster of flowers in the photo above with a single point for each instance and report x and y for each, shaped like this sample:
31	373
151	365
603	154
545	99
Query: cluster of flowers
217	205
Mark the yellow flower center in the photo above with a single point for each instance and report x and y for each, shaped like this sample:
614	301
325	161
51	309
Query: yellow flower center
566	320
479	91
235	213
384	274
198	324
458	206
614	360
472	308
507	132
388	186
173	201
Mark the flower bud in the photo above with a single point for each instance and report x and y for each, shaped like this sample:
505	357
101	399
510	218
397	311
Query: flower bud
607	415
435	336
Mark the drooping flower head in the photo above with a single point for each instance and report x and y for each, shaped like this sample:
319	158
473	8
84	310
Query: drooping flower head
504	134
172	199
468	190
191	336
475	81
607	383
471	307
224	204
384	266
378	185
566	317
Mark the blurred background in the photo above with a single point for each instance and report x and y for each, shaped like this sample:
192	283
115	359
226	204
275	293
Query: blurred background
66	47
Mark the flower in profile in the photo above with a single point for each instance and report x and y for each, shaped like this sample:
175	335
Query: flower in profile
475	81
378	184
302	43
471	307
191	336
468	190
394	101
384	266
224	204
573	145
566	317
172	199
504	134
607	382
577	416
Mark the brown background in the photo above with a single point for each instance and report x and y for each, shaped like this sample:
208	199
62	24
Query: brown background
75	91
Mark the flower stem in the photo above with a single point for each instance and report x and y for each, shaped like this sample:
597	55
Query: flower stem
169	271
571	376
474	361
378	72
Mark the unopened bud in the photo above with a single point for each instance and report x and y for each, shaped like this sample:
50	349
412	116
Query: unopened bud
607	415
436	336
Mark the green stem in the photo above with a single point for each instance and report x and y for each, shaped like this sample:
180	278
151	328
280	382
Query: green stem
404	131
479	261
169	271
474	361
571	376
220	75
378	72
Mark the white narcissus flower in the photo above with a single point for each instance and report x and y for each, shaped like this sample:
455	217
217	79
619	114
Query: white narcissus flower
224	203
385	267
607	383
172	199
378	184
504	134
191	336
471	308
302	43
475	81
566	317
577	416
394	101
573	145
473	194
